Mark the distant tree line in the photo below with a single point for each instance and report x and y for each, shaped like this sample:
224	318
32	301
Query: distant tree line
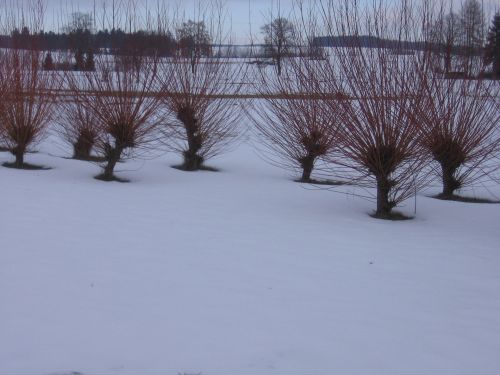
460	38
117	41
190	39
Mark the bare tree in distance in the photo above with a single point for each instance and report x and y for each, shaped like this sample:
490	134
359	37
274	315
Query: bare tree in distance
279	39
444	36
80	29
194	41
472	32
492	48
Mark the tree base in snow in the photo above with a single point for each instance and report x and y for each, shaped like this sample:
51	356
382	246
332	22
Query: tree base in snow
458	198
26	166
113	178
321	182
91	158
392	216
182	167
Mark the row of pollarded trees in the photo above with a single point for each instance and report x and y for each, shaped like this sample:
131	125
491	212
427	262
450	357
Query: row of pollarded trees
384	119
131	101
380	117
119	110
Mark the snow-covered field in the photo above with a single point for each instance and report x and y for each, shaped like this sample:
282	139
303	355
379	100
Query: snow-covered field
241	272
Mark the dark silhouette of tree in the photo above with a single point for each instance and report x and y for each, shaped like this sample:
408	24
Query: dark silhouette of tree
79	31
79	21
444	35
89	61
492	50
279	36
79	60
22	39
48	62
459	37
194	41
472	29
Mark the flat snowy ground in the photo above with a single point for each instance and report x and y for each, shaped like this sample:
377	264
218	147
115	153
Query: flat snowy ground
241	272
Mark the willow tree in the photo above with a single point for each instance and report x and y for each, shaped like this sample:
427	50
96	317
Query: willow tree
122	101
199	89
380	145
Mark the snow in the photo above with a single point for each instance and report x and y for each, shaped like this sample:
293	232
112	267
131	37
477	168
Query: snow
239	272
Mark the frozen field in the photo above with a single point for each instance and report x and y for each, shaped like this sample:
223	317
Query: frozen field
241	272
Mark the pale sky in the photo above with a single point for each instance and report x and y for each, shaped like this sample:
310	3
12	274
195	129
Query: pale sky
240	13
244	17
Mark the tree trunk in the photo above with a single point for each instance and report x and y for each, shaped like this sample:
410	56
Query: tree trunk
384	206
278	64
19	163
112	156
82	148
19	152
450	183
447	61
192	160
307	164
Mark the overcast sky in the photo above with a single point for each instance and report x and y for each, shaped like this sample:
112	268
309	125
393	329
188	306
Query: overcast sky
244	17
240	13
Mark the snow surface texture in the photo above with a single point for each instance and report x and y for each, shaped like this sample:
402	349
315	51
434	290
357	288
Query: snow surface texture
241	272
